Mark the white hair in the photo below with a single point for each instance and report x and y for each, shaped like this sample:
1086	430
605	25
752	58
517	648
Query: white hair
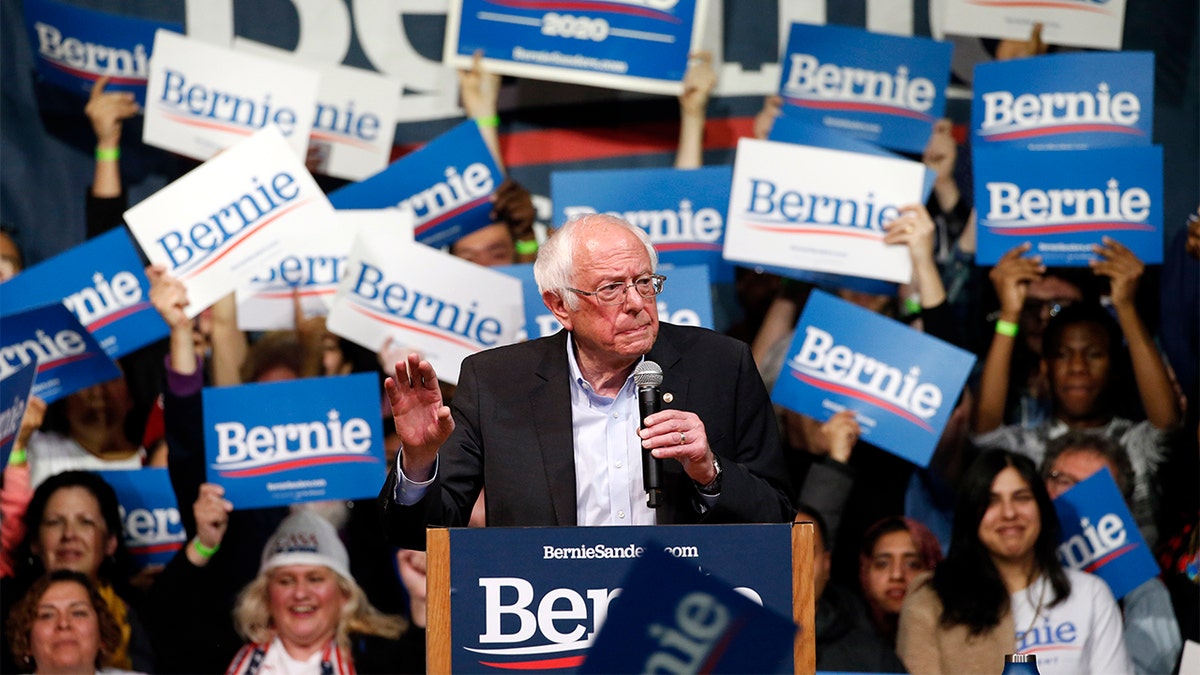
555	264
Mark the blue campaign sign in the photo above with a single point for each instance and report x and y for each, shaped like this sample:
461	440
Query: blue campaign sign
103	283
1065	101
1099	535
305	440
683	210
1065	201
670	617
686	299
447	185
150	514
534	598
74	47
642	46
901	383
884	89
14	397
791	129
68	358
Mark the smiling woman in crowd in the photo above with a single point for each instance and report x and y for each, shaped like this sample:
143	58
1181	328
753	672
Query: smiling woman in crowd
74	523
304	613
1002	590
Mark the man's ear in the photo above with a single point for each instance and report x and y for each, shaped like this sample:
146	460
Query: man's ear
558	307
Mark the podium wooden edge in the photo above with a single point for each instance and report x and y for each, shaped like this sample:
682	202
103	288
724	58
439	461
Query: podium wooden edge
437	593
804	611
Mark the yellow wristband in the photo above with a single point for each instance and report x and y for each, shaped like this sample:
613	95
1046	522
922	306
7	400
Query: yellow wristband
489	122
527	247
107	154
203	550
1006	328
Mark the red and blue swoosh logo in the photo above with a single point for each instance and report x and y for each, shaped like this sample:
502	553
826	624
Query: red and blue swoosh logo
862	396
1018	229
427	225
292	465
1056	129
858	107
415	326
1043	4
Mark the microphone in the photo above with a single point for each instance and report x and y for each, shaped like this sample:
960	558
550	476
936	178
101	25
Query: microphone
647	376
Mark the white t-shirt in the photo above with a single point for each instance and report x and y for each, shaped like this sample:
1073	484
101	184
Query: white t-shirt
51	453
1082	634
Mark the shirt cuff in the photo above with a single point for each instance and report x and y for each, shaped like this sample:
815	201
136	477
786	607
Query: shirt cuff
409	492
184	385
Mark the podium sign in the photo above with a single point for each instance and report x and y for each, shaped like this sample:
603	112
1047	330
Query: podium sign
534	598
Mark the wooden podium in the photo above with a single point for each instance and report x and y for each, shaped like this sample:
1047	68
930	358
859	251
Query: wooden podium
440	641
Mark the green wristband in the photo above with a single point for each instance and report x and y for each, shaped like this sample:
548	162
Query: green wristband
1006	328
489	122
203	550
912	305
17	456
527	247
107	154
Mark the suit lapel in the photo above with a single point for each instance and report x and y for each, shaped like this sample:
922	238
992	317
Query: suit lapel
550	397
667	356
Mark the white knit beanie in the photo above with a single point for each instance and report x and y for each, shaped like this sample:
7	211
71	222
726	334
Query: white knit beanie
304	538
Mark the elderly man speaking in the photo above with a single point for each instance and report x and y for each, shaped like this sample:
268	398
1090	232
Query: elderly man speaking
551	426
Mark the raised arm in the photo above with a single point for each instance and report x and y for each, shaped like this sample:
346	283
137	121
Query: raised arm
1123	270
423	421
169	297
106	111
914	228
480	92
698	84
765	119
1011	277
229	343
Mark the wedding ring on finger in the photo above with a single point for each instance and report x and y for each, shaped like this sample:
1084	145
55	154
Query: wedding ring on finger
682	438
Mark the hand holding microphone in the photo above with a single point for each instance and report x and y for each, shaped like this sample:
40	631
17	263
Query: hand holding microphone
671	434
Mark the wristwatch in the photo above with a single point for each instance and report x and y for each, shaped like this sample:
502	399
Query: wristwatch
713	488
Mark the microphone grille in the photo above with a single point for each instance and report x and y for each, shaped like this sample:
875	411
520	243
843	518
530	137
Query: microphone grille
647	374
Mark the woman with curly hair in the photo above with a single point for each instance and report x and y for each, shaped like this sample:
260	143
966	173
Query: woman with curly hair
74	523
62	625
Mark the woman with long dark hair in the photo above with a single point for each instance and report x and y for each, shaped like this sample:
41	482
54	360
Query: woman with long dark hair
1002	590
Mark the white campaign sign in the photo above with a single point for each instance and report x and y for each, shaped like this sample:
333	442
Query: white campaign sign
314	266
1075	23
222	222
201	98
355	122
428	301
818	209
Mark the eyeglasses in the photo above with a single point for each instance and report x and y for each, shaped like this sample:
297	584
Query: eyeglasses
1062	480
614	293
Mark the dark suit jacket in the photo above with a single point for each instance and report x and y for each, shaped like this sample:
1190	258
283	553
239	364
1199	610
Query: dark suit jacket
512	414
